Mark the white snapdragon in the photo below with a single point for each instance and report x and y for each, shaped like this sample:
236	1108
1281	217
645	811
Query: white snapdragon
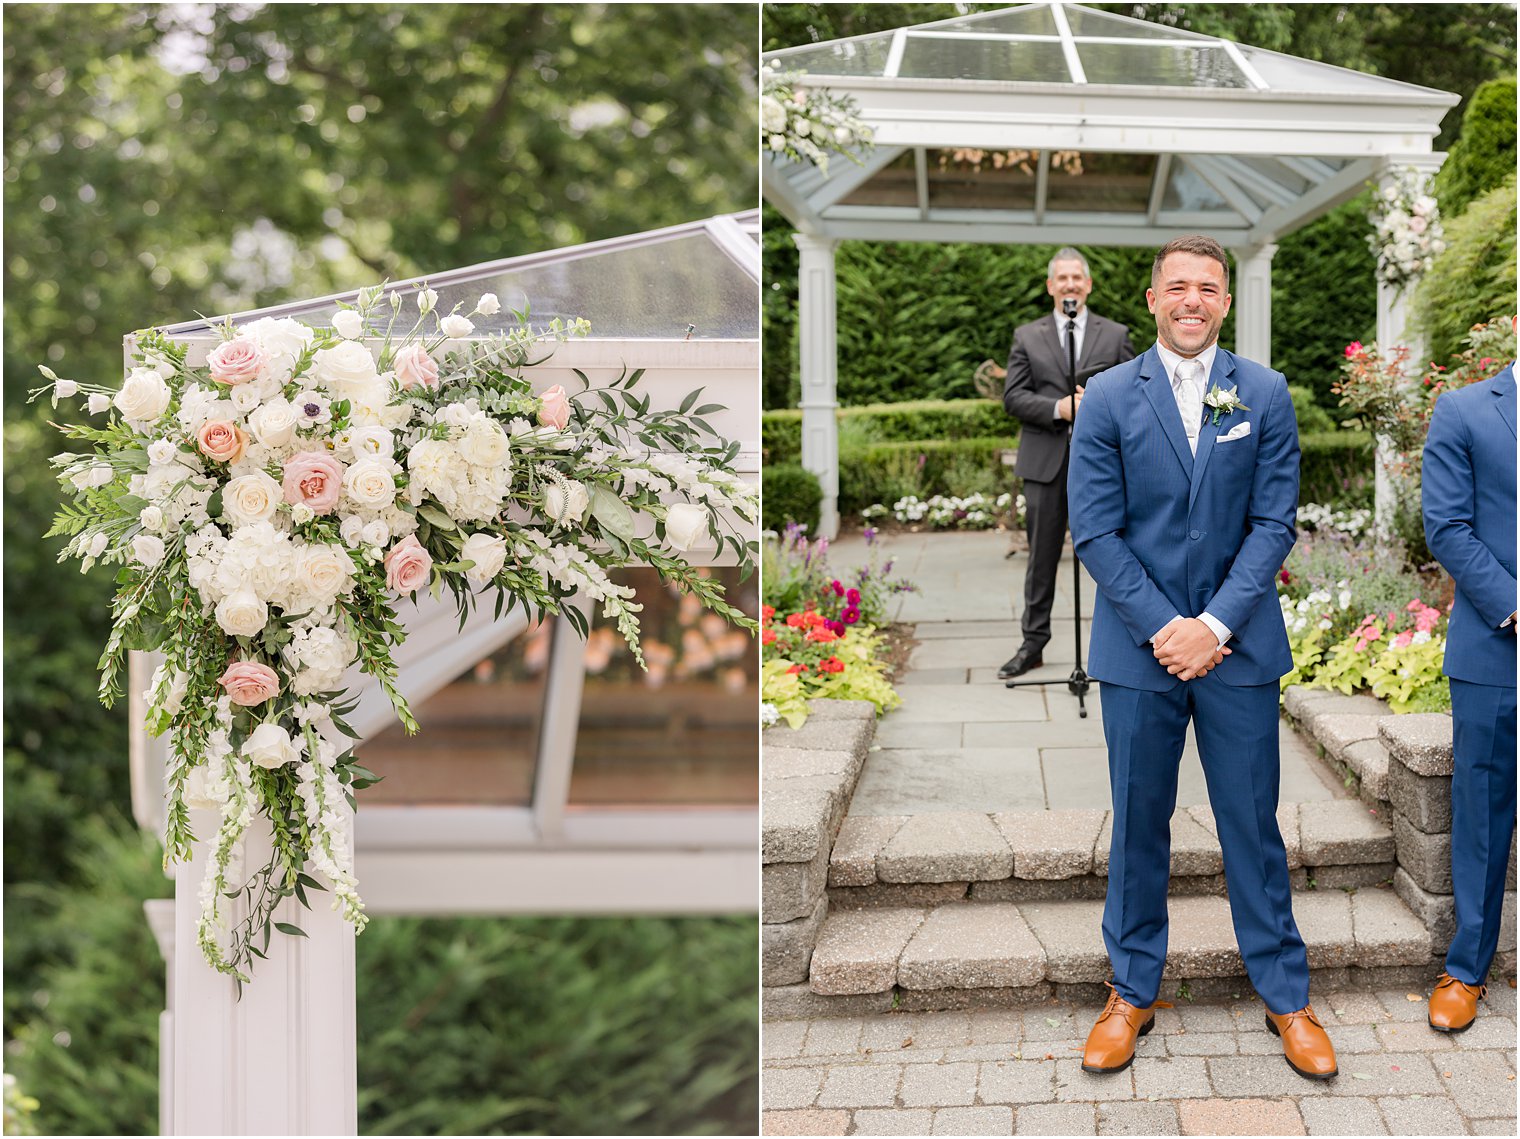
426	299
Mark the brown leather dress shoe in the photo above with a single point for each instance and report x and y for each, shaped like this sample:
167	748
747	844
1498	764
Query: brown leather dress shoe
1454	1004
1111	1043
1306	1045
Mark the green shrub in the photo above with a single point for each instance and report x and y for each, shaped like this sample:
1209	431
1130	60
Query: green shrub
791	494
938	419
1473	280
1336	468
885	472
1484	154
1312	418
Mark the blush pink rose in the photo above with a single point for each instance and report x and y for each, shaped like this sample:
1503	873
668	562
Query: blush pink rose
408	566
414	366
222	441
556	410
249	683
237	361
313	478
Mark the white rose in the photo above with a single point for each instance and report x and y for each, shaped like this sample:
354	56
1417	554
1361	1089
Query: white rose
456	326
242	614
351	530
489	555
301	514
147	550
485	445
244	397
377	533
426	299
323	571
98	475
456	415
348	324
251	498
284	341
271	746
685	525
274	423
143	397
151	517
344	367
371	442
566	503
370	484
488	305
161	452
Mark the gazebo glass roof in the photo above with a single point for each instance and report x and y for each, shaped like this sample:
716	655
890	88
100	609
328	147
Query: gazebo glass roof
648	286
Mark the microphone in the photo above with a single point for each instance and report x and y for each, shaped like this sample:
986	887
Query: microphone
1069	308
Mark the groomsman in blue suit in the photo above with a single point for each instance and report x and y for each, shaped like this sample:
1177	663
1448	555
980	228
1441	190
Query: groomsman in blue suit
1468	499
1183	491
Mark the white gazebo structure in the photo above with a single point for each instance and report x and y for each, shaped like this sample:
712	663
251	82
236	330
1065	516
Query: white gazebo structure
549	776
1053	123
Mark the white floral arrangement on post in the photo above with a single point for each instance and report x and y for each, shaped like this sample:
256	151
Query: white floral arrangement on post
1407	231
808	123
270	510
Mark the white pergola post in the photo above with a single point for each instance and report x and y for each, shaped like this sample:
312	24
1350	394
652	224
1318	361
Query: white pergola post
1253	312
282	1060
817	343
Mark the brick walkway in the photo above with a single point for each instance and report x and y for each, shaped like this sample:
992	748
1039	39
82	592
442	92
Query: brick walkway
1208	1068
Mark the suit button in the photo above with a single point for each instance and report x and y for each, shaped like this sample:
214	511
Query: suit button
1193	534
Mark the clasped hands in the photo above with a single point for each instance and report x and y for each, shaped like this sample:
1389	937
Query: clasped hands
1067	406
1188	648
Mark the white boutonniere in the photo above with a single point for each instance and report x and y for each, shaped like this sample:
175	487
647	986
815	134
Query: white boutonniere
1223	402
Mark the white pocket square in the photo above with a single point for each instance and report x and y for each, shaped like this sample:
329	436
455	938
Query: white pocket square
1239	431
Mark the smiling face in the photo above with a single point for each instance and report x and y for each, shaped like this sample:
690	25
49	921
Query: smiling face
1069	279
1189	301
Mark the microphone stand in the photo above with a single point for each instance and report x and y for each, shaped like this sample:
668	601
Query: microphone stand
1078	682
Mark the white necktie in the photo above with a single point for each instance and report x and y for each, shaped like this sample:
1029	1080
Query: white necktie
1189	399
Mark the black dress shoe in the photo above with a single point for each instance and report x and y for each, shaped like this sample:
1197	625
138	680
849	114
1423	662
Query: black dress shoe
1021	662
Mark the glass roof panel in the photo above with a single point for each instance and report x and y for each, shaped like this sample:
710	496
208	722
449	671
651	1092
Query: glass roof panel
1087	22
1031	21
1186	190
650	287
982	179
1110	183
1017	61
894	185
1289	73
864	55
1159	65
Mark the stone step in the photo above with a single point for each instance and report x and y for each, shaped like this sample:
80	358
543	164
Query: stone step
1034	856
968	954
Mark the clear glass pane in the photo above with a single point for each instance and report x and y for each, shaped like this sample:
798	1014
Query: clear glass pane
1087	22
479	740
1279	172
982	179
1030	21
1022	62
864	55
1187	190
894	185
682	732
1288	73
1158	65
1101	182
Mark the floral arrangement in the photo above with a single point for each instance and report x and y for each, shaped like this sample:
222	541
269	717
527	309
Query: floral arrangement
271	508
808	124
1397	656
804	658
974	511
1024	161
796	575
1406	228
1318	517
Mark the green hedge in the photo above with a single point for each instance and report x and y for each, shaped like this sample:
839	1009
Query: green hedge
1336	468
938	419
791	495
885	472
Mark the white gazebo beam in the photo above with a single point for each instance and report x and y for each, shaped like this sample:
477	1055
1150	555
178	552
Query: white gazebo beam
1159	179
921	180
1041	185
851	177
1320	199
1253	307
1207	168
817	343
786	195
1245	174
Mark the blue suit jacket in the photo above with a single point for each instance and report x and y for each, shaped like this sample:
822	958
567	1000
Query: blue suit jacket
1163	532
1468	499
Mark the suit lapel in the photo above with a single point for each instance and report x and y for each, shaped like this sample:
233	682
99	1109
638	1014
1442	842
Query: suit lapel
1088	340
1504	390
1053	345
1153	382
1219	376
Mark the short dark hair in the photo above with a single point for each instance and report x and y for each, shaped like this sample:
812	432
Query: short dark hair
1197	244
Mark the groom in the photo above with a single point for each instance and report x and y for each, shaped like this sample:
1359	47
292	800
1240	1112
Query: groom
1183	491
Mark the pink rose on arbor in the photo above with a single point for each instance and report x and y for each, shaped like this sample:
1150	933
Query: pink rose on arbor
315	479
414	366
1353	349
222	440
556	410
408	566
237	361
249	683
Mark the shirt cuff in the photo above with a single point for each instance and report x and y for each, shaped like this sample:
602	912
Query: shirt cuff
1216	626
1507	622
1055	413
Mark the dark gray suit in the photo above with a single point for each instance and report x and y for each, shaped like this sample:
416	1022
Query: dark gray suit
1036	382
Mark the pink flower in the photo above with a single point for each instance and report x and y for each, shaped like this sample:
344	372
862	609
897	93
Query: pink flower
236	361
1353	349
850	615
852	596
222	441
248	683
314	478
556	410
1403	638
414	366
837	587
408	566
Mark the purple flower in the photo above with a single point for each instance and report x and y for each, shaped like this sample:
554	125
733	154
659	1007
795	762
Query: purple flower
869	533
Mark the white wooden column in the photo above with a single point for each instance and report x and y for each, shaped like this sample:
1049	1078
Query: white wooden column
1253	307
818	346
282	1060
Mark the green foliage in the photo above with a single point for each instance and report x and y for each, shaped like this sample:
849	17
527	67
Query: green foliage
1484	155
781	429
1473	281
1335	468
885	472
1312	418
850	668
792	494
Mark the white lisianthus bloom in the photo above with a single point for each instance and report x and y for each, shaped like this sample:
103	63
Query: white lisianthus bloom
376	532
567	503
488	305
63	389
351	530
143	397
251	498
97	545
161	452
456	326
426	299
485	444
684	525
271	746
99	402
343	368
98	474
197	791
242	614
348	324
147	550
245	398
370	484
488	553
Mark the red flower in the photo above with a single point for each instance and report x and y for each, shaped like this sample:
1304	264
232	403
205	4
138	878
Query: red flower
767	636
796	668
821	636
766	613
852	596
796	620
1285	577
833	664
1353	349
812	619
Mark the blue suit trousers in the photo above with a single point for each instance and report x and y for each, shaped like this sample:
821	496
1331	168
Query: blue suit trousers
1482	821
1236	728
